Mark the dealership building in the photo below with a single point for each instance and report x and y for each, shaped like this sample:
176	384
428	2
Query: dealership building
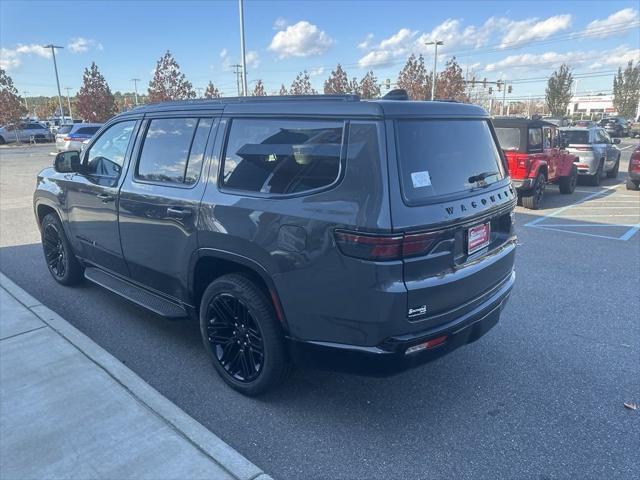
592	105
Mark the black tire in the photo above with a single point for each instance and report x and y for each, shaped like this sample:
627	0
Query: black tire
534	197
596	178
633	185
2	140
613	173
568	184
242	335
61	262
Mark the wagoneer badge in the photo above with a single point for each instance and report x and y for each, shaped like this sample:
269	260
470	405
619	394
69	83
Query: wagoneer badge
415	312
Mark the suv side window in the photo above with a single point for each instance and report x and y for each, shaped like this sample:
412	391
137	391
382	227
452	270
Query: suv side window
601	136
106	156
173	150
282	157
535	138
549	140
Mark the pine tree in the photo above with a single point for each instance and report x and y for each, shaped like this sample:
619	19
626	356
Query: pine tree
302	85
283	90
258	90
413	78
11	107
369	87
211	91
558	92
95	102
337	82
626	90
168	82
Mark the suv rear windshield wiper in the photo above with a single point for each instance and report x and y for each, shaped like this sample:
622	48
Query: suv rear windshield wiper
481	176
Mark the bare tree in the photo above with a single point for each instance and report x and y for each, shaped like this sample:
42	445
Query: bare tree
558	91
369	87
95	102
450	82
626	90
11	107
413	78
337	82
258	90
283	90
168	82
302	85
211	91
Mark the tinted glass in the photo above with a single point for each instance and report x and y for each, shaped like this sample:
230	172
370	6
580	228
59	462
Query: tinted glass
165	150
106	156
509	138
576	136
87	130
282	156
65	129
435	161
194	166
535	139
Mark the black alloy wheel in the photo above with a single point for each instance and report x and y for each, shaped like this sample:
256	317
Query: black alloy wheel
235	337
54	251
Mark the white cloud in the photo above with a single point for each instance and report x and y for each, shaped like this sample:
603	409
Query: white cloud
11	58
533	29
300	40
388	50
279	24
314	72
252	59
82	45
611	25
366	43
224	53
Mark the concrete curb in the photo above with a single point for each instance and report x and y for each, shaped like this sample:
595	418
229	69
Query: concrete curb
192	431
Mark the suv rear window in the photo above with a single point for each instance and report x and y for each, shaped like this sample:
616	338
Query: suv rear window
282	156
509	138
575	137
65	129
87	130
439	157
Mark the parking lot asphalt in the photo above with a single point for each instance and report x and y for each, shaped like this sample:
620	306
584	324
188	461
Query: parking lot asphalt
540	396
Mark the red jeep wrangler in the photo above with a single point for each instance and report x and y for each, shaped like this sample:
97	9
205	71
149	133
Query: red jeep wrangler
536	157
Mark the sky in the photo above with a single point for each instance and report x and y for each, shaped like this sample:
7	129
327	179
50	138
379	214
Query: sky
519	41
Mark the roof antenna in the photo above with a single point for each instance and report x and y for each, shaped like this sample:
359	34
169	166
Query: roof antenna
397	94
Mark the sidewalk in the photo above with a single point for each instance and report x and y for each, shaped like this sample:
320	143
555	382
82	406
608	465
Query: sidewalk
68	409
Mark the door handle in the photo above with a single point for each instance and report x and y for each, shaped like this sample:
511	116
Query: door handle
178	212
105	197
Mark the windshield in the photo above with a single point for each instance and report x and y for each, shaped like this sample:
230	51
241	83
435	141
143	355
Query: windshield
575	136
65	128
509	138
442	157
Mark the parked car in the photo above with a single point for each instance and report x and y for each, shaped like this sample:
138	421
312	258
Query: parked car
323	230
584	124
633	175
71	137
557	121
535	158
634	128
615	126
25	132
598	155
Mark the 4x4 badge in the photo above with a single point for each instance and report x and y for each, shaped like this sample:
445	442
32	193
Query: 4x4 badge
415	312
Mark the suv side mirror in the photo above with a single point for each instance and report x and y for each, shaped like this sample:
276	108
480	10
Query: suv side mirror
616	140
67	162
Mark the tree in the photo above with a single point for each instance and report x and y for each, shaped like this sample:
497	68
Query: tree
168	82
369	87
413	78
450	82
626	90
337	82
283	90
302	85
258	90
95	102
11	107
354	86
558	92
211	91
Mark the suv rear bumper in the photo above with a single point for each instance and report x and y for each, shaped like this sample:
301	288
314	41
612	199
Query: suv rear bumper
524	184
390	356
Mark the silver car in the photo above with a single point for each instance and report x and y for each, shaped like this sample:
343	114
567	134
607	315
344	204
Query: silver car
598	155
71	137
25	132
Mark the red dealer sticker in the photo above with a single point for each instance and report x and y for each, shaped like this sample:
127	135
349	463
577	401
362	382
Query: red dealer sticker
478	237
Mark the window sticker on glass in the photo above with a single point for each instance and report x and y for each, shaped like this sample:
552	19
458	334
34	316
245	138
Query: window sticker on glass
421	179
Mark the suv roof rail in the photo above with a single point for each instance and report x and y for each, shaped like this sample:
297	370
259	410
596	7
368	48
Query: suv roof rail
266	98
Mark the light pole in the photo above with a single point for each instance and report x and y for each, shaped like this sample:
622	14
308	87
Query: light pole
55	67
435	64
69	102
26	105
135	89
244	62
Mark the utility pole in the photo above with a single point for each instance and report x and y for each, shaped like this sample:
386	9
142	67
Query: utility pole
237	69
55	67
69	102
435	65
26	105
244	62
504	97
135	89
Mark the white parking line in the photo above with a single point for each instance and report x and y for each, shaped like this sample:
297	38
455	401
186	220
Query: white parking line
630	233
628	146
626	225
542	227
560	210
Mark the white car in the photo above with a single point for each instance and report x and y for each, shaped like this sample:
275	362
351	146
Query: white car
71	137
25	132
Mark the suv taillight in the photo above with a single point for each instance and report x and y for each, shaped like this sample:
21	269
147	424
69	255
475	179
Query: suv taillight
634	162
369	246
523	160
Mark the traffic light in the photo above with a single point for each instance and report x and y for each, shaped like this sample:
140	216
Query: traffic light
387	83
499	85
484	82
490	90
509	89
473	82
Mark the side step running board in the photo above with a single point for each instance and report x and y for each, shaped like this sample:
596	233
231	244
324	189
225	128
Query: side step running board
135	294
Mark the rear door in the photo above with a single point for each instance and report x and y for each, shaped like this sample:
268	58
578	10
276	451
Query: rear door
551	151
160	197
441	195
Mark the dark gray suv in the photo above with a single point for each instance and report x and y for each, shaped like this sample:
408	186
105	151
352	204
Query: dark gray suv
366	236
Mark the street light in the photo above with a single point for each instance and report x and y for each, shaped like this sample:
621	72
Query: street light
244	62
69	102
435	64
55	67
